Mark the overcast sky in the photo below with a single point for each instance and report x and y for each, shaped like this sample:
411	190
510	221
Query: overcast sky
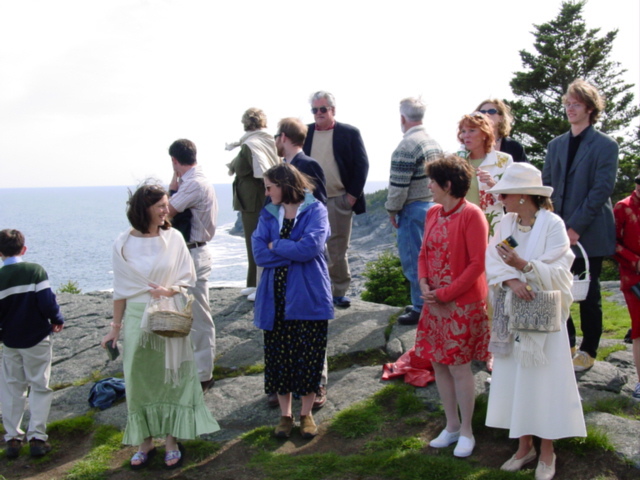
92	92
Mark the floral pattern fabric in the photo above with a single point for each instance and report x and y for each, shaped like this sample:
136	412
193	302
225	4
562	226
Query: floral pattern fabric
448	333
294	350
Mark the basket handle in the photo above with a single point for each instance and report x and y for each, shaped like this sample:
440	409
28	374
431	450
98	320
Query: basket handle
586	258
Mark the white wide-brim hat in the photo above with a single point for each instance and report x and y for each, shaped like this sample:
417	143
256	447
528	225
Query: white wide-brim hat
522	178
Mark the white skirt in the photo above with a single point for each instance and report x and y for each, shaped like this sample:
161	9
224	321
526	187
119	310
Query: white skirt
542	400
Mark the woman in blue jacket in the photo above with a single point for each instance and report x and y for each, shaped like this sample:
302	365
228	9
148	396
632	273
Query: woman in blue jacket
293	301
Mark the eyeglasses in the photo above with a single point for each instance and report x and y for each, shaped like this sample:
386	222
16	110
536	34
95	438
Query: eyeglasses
275	137
314	110
575	106
491	111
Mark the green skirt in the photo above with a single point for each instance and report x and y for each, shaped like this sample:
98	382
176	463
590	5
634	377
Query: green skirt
156	408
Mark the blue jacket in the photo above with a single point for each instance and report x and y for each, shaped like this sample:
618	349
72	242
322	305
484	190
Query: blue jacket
308	295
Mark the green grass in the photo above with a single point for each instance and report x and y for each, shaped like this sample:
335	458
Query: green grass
223	372
615	319
106	441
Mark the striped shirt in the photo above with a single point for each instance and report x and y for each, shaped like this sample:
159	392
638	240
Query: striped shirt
197	194
28	307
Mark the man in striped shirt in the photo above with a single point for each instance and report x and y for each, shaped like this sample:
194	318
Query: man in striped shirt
29	314
409	196
190	190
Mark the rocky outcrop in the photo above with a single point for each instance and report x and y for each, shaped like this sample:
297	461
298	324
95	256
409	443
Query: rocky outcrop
239	403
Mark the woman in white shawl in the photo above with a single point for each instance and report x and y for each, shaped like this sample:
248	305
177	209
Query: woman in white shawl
533	387
257	155
164	398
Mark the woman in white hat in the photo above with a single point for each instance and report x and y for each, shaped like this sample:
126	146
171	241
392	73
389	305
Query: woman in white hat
533	387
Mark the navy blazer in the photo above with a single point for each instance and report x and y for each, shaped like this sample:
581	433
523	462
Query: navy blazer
582	195
312	169
352	160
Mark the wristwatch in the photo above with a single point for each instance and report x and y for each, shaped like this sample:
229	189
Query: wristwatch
527	268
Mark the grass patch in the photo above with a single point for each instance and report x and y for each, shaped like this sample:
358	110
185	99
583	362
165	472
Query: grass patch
106	441
596	440
604	352
615	319
77	426
261	438
220	373
358	420
374	356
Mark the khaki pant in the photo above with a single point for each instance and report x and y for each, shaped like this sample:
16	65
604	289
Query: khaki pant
340	215
23	368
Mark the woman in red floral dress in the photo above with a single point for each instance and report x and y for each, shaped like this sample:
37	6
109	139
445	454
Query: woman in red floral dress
627	214
453	329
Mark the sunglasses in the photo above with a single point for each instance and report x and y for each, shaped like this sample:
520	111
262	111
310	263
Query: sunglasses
275	137
491	111
314	110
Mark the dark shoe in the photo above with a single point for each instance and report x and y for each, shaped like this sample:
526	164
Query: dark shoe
13	448
308	428
172	455
408	308
283	430
321	398
410	318
143	458
207	385
627	337
38	448
272	400
342	302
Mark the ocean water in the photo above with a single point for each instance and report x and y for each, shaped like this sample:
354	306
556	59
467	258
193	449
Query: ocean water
70	232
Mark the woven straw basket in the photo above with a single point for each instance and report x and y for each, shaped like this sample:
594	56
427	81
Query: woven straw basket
172	324
581	287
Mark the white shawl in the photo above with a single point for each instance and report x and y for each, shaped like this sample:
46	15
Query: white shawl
173	267
263	151
550	254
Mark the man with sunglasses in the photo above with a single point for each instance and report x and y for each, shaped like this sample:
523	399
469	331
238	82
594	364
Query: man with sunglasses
340	151
409	196
581	166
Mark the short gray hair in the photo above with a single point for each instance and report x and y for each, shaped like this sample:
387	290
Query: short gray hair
412	109
321	94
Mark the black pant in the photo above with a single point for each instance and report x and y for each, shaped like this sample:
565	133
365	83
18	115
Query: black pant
590	308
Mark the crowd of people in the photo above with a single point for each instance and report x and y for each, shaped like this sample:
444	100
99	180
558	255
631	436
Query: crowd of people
478	231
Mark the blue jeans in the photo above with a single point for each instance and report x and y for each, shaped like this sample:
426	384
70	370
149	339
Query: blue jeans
410	230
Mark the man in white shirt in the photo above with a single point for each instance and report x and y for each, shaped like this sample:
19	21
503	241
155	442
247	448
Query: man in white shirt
192	192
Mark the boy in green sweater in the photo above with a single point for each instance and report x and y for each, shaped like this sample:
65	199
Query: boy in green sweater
29	313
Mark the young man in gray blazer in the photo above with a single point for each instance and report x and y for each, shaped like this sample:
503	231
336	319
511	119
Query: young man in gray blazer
581	167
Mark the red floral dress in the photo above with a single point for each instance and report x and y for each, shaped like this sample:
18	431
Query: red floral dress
448	333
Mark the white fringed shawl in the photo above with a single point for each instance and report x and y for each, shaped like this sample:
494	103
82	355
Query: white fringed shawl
173	267
549	252
263	151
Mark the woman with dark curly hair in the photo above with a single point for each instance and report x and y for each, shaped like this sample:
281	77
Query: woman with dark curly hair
453	329
257	154
164	396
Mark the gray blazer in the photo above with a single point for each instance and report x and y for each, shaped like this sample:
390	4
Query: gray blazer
584	203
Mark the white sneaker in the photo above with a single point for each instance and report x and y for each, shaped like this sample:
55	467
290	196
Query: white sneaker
247	291
444	439
252	297
464	447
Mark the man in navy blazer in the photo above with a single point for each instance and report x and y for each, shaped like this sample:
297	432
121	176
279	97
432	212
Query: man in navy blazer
289	140
339	149
581	166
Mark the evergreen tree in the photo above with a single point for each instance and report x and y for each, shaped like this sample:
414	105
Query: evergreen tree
567	50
